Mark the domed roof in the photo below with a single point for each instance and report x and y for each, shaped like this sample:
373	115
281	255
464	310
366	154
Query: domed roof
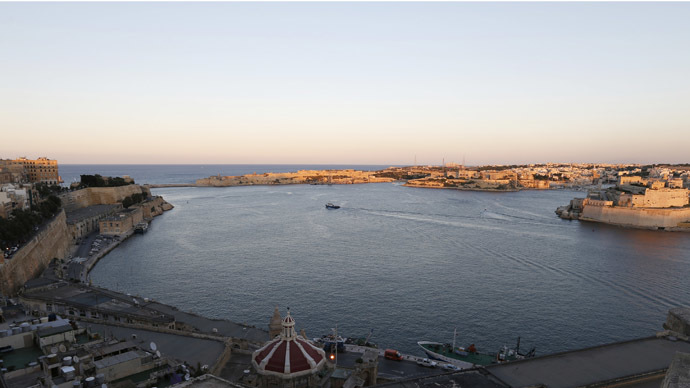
288	355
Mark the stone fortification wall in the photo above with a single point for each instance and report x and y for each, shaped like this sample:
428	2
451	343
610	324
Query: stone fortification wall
637	217
53	241
99	196
662	198
658	198
154	207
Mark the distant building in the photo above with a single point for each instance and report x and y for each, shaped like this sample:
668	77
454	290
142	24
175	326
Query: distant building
40	170
23	170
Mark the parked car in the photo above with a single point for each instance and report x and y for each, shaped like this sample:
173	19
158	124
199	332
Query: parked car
426	362
393	354
450	367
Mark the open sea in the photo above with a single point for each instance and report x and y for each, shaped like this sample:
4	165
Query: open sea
412	264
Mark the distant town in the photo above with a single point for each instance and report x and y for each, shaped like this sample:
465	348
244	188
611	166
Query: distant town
58	330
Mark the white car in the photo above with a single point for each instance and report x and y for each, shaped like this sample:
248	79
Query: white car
450	367
426	362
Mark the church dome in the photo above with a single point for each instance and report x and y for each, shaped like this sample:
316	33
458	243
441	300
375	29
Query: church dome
288	355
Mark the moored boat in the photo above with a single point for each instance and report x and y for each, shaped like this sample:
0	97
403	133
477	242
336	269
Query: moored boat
332	342
466	357
332	206
141	228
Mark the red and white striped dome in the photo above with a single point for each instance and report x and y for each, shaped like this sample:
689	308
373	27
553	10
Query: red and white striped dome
288	355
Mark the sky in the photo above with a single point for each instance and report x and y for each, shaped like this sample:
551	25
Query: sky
345	82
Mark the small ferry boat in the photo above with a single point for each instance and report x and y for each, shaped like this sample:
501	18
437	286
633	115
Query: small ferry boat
332	342
462	356
332	206
141	228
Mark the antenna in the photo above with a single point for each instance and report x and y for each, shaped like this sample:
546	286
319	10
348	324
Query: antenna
153	346
54	350
75	359
62	348
158	353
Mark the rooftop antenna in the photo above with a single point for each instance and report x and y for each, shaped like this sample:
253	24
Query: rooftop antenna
153	346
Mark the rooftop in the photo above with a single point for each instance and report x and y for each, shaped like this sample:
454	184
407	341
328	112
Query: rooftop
120	358
82	296
174	346
52	330
207	381
597	364
89	211
475	378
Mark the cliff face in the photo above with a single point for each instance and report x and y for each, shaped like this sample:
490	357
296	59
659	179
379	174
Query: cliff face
51	242
99	196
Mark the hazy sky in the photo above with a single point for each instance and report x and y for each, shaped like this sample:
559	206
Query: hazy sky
367	83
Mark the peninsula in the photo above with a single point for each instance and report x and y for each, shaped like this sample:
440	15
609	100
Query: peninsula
449	176
652	198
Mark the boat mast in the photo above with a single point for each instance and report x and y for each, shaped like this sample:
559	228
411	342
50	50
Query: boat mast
455	333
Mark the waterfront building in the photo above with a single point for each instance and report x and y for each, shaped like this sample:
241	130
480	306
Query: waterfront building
289	360
122	222
84	221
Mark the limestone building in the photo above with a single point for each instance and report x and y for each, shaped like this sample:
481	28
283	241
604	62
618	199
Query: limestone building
40	170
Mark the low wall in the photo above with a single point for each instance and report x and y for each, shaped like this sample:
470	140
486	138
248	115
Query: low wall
18	341
51	242
637	218
222	359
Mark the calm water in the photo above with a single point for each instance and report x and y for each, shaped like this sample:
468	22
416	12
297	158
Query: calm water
412	264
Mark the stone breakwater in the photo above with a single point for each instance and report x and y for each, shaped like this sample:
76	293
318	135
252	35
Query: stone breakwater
315	177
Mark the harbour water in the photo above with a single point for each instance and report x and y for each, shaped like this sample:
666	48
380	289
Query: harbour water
411	264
